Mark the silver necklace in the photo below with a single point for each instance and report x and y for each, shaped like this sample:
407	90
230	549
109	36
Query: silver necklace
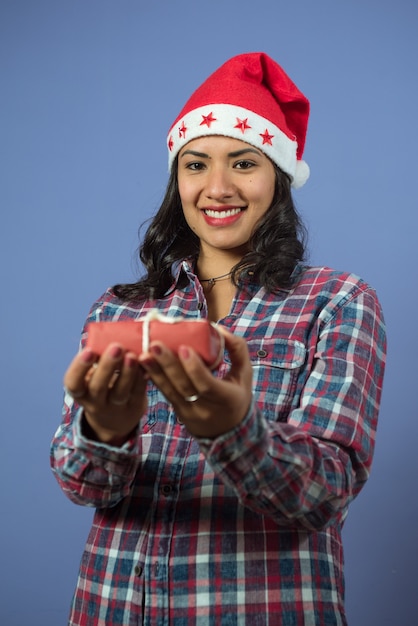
212	281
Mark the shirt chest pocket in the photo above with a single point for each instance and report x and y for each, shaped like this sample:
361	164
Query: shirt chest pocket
277	364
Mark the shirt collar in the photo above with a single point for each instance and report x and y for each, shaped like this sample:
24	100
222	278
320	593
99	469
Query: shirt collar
187	268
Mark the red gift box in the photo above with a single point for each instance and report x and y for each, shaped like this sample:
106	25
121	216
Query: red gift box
136	335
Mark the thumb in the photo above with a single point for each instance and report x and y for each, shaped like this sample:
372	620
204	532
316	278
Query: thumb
239	355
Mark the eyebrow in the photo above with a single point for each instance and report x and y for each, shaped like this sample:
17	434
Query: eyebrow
234	154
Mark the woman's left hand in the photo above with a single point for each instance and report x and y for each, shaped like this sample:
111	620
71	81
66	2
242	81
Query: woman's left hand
208	406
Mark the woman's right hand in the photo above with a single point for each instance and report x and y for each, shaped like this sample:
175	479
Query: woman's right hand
112	391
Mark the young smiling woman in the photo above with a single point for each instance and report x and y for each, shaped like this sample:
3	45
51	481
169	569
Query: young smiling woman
220	496
226	186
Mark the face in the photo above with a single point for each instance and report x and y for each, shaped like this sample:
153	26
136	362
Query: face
226	186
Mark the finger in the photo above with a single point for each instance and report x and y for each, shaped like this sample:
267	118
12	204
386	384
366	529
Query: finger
107	372
138	392
75	376
231	393
200	379
167	373
238	353
121	387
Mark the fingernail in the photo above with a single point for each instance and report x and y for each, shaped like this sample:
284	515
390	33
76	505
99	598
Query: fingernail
87	355
130	361
116	352
157	350
184	352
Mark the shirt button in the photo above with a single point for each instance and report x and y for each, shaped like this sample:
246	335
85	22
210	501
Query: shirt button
138	570
200	306
261	353
166	490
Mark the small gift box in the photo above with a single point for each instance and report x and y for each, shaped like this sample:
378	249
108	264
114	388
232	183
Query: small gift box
136	336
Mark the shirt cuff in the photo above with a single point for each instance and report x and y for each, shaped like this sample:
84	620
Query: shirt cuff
244	445
103	450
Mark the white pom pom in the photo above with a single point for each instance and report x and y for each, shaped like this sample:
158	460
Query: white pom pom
301	175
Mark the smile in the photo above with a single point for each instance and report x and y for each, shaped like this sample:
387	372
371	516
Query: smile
222	214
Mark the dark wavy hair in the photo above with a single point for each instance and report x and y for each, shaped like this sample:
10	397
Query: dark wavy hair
276	246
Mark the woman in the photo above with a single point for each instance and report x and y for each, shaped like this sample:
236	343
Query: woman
220	498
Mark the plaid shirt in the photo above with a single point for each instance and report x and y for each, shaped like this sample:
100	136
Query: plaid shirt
244	529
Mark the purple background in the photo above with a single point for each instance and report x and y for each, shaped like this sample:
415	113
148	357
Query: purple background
88	90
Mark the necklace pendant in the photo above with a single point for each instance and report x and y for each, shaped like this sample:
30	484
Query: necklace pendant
212	281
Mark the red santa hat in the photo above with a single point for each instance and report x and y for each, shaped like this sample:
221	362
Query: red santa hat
251	98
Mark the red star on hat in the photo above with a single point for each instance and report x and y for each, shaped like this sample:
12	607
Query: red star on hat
266	137
182	130
208	119
242	124
170	143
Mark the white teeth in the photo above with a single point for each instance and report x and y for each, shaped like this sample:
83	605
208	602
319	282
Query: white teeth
222	214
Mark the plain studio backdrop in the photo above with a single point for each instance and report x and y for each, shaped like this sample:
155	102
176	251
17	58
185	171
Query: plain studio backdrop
88	90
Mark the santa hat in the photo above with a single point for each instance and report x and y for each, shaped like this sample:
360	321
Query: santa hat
251	98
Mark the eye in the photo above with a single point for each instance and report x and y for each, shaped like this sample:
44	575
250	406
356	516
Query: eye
195	166
244	164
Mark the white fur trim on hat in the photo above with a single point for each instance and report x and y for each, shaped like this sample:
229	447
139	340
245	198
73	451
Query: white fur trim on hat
239	123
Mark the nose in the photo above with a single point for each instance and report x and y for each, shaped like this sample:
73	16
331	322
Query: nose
219	183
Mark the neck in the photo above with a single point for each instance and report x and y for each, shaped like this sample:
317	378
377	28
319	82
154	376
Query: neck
212	264
219	293
209	283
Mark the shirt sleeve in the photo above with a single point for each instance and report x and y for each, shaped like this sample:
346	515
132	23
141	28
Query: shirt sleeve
306	471
91	473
